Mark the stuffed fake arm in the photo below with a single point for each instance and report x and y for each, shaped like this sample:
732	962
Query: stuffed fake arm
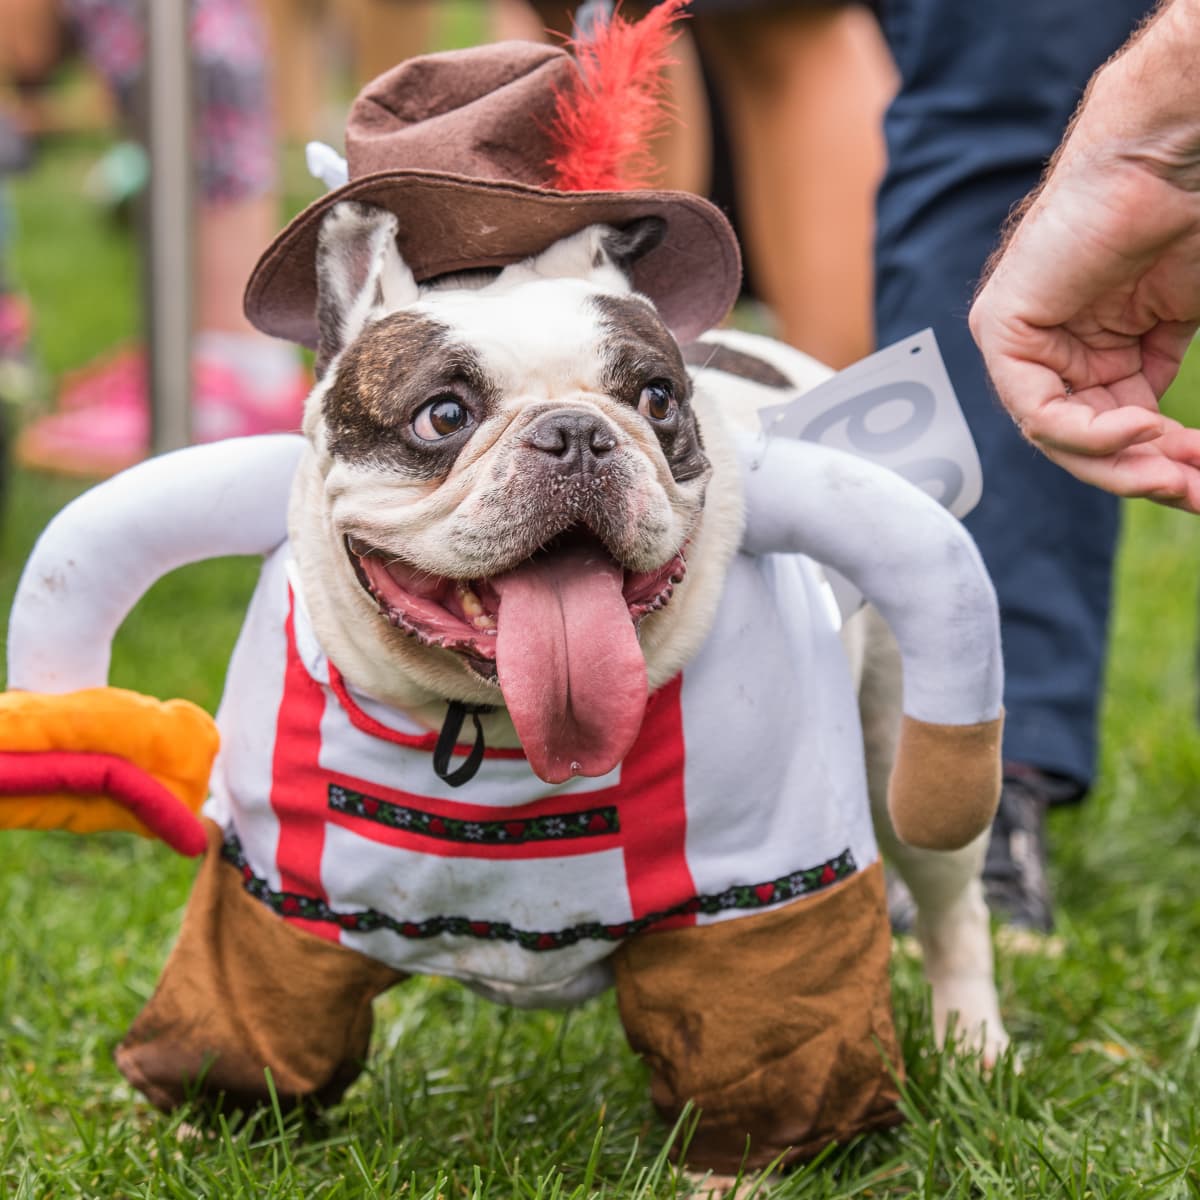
74	753
103	552
920	568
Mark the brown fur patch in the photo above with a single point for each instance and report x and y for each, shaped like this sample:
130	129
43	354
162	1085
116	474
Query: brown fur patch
735	362
395	367
639	348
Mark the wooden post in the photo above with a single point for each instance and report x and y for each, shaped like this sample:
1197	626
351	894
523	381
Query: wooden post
168	248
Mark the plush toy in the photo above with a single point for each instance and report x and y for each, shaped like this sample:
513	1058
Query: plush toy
540	688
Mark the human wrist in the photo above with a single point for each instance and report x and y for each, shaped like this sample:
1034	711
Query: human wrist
1143	107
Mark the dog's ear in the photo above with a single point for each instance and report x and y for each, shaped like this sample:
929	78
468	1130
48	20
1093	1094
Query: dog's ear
626	245
360	275
601	254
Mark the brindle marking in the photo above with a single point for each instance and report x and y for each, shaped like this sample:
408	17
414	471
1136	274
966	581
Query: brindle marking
735	362
639	349
396	366
626	245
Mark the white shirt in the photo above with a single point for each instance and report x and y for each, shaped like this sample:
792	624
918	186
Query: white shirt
745	790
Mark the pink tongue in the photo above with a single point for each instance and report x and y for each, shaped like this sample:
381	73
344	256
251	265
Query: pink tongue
569	664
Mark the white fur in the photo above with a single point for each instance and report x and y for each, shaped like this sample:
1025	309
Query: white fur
580	256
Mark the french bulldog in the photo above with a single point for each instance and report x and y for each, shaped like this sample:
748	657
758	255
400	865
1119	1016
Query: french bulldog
541	689
522	497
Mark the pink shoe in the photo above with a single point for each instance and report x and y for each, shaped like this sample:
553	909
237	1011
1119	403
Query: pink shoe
119	372
103	423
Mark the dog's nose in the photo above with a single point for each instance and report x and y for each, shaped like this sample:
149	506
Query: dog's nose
578	441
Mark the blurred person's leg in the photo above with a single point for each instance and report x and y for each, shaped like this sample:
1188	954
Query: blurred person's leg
295	30
18	377
514	21
804	88
16	374
30	39
986	91
386	32
237	214
244	382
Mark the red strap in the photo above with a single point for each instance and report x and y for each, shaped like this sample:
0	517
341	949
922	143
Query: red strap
82	773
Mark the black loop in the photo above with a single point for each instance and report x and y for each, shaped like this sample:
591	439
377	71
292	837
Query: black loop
456	713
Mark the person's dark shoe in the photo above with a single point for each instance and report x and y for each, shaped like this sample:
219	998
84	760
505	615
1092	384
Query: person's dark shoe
1014	872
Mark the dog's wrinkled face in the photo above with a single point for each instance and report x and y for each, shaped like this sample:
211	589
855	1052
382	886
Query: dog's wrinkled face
513	471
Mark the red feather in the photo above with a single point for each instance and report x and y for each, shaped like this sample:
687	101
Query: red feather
604	124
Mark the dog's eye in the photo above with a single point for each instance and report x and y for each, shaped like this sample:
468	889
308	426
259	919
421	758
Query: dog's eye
657	400
440	418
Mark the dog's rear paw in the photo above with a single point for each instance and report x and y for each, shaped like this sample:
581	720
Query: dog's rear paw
967	1010
707	1185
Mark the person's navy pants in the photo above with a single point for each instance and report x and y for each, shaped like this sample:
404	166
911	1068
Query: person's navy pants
987	90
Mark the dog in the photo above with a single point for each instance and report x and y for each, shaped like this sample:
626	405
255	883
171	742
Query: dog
420	524
517	506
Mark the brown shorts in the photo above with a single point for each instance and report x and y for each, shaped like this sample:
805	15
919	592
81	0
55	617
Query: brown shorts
777	1026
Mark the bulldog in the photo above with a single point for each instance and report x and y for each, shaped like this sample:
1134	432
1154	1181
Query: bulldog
516	504
541	687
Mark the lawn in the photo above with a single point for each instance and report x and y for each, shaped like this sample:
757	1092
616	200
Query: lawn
464	1099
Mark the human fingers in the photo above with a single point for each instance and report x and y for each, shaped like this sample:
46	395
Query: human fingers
1180	444
1077	423
1139	472
1097	420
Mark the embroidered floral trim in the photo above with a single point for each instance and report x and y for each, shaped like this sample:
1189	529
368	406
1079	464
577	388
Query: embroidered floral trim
750	896
591	822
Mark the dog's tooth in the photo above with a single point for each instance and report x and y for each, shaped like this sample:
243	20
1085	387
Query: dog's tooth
472	606
483	621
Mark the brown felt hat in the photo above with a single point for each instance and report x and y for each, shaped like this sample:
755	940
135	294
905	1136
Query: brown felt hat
459	147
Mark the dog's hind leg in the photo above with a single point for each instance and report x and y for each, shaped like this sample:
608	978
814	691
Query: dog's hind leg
952	922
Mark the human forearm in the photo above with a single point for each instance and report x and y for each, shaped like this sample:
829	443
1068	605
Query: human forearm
1144	104
1095	295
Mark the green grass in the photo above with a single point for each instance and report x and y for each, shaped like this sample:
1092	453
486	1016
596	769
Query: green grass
463	1099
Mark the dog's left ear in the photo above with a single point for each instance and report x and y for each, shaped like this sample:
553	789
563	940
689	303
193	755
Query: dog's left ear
360	275
626	245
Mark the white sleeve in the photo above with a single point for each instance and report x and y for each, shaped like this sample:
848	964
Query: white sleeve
902	550
98	556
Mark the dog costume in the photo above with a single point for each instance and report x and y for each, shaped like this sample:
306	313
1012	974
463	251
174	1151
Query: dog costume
723	874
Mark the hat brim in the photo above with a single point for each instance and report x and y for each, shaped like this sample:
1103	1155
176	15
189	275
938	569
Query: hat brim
451	223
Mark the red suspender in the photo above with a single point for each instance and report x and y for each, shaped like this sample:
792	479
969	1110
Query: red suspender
297	793
654	813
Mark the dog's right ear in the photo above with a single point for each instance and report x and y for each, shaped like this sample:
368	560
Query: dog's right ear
360	275
624	246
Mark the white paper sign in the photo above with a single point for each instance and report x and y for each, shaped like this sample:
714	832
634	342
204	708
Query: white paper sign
897	408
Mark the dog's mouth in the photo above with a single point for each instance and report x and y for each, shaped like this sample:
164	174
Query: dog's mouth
558	633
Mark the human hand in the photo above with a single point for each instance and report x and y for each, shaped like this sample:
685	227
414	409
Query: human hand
1095	298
